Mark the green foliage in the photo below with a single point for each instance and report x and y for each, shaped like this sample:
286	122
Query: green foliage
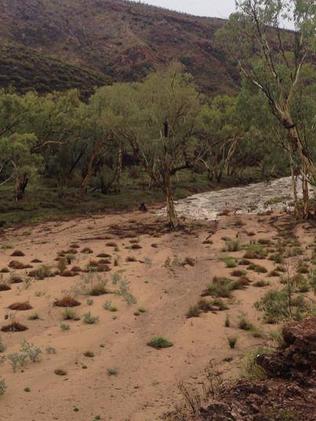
18	360
229	261
89	319
232	341
109	306
279	305
232	245
250	369
33	352
223	287
159	342
3	386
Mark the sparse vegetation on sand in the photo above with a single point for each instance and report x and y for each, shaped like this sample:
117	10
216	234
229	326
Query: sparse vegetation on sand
159	342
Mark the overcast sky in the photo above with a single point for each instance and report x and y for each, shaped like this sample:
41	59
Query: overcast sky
213	8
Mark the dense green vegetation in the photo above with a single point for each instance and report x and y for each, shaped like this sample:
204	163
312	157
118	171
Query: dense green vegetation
62	155
141	141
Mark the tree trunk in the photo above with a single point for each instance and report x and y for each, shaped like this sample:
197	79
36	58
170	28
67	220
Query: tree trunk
306	209
294	186
20	186
89	168
119	167
298	150
171	211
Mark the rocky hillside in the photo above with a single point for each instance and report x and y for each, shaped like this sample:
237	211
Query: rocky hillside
60	44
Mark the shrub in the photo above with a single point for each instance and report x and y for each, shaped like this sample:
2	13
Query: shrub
2	346
15	279
124	292
312	280
92	284
255	251
159	342
14	264
62	265
221	287
17	360
112	371
17	253
244	262
232	341
33	352
274	274
3	386
4	286
229	261
261	284
86	250
60	372
89	319
237	273
250	369
34	316
232	245
257	268
194	311
14	327
51	350
279	305
41	273
69	314
244	324
213	305
277	258
109	306
67	301
20	306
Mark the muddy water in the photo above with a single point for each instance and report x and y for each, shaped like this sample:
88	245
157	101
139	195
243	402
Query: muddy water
276	195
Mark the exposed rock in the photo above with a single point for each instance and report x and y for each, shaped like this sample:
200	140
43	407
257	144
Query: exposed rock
288	393
257	198
297	358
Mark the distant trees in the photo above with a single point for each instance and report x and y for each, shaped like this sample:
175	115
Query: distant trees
274	62
156	130
17	162
220	132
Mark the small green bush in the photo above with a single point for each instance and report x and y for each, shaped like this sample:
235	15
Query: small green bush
89	319
232	341
3	386
229	261
159	342
109	306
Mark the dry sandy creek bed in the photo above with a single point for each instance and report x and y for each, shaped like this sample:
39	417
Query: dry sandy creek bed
144	383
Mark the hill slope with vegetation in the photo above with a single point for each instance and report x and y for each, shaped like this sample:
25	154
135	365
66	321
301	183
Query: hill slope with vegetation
96	41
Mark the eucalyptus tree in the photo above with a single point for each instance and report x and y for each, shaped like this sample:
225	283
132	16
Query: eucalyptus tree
18	163
220	133
55	120
273	60
168	106
157	118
